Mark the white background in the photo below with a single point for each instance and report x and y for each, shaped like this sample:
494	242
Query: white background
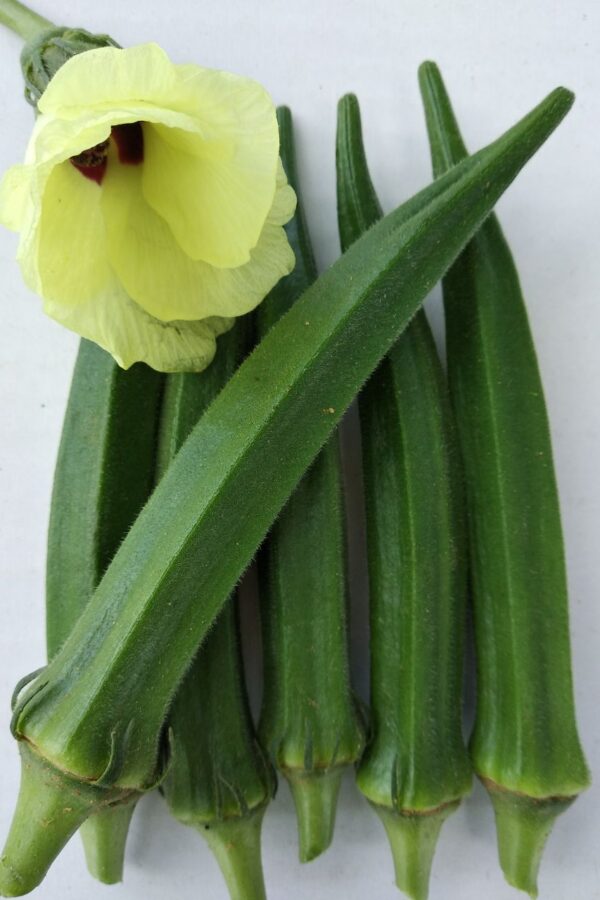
499	59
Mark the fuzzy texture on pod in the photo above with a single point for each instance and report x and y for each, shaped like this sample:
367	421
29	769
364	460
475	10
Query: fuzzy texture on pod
219	781
309	721
525	745
416	768
97	711
104	474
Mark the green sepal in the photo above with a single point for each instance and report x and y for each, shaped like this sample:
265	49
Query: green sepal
44	54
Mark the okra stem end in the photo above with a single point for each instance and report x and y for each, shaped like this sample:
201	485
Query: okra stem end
315	797
104	836
236	846
413	838
50	808
523	825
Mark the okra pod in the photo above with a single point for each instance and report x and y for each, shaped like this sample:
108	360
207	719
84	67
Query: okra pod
104	475
415	769
90	726
525	745
309	722
219	781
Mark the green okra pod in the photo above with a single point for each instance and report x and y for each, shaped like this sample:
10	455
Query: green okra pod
219	781
309	721
104	475
95	715
525	745
415	769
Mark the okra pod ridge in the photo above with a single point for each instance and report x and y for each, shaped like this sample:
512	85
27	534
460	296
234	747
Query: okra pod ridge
104	474
219	781
308	719
525	747
415	768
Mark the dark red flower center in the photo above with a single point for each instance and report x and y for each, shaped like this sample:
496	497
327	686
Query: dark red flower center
129	141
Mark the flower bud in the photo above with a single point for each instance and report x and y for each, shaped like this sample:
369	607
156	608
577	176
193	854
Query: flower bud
44	54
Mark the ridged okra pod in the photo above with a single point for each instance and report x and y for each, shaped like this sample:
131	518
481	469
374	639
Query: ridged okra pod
525	746
415	769
219	781
90	726
104	475
309	721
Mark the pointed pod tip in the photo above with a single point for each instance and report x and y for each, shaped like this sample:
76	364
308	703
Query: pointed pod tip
523	825
413	839
428	68
348	102
315	797
564	96
284	115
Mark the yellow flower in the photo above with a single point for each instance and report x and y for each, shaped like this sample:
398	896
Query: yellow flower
151	203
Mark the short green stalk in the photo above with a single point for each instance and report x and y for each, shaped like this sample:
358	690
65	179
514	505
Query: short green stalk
104	475
219	781
97	711
22	20
525	746
309	721
416	768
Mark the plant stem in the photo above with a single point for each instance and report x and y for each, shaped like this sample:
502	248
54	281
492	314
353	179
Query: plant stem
50	809
104	837
236	846
22	20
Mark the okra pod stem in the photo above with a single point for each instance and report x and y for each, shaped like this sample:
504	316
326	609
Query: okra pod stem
415	769
525	745
96	713
104	475
219	781
309	721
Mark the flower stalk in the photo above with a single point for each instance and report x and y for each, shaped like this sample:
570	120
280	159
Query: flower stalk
22	20
309	720
525	746
97	711
415	769
219	781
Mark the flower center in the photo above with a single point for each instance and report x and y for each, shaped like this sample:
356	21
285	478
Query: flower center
129	140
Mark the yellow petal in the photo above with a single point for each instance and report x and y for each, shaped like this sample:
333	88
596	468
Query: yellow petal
162	279
14	196
72	258
216	203
131	335
110	77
